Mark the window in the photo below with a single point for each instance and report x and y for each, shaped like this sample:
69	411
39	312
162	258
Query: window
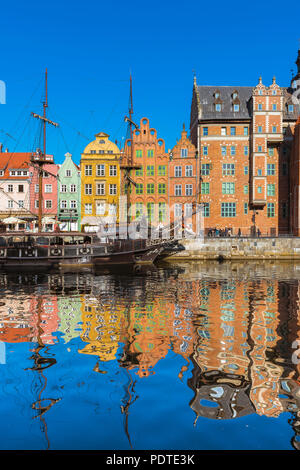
206	209
161	170
273	92
36	204
88	170
100	207
183	153
21	203
10	204
271	189
161	211
88	208
10	188
73	204
100	189
223	131
150	170
291	108
139	189
232	150
139	153
246	188
112	189
228	188
246	131
218	107
260	92
188	189
161	188
112	170
245	208
223	150
259	189
284	209
73	188
63	204
48	204
63	188
100	170
232	131
259	148
228	169
20	188
88	189
138	209
259	129
48	188
150	210
270	169
259	106
271	151
228	209
205	167
284	169
246	170
274	107
246	150
188	209
271	209
178	190
205	150
205	188
259	172
139	171
178	210
236	108
205	130
150	153
178	171
189	170
274	129
68	173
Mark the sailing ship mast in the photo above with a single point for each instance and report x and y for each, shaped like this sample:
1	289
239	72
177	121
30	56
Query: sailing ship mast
129	165
39	158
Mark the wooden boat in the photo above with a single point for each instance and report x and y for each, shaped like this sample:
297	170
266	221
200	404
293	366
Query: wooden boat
73	250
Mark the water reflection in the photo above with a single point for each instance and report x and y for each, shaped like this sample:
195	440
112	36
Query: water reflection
235	327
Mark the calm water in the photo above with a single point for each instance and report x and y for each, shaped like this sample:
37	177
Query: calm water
189	356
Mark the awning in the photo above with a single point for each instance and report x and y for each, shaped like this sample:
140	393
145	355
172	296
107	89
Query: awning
13	220
48	220
90	221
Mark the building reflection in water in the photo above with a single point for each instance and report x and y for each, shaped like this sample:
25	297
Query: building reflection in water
236	330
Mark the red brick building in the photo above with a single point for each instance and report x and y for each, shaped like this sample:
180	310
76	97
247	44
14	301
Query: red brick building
244	136
183	179
151	178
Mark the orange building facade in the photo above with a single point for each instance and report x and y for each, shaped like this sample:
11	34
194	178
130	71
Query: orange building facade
149	195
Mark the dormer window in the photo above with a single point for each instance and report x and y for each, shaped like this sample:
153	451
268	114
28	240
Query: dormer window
217	95
273	92
291	108
260	92
234	96
236	108
218	107
101	141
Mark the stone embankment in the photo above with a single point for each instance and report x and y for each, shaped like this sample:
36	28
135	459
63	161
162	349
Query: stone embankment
236	248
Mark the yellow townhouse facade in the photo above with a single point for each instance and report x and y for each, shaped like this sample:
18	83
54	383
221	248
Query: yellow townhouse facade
100	182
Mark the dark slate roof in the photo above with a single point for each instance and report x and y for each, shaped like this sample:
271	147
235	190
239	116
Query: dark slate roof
207	100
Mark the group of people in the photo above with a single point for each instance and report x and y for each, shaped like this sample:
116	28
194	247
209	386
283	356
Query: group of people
228	232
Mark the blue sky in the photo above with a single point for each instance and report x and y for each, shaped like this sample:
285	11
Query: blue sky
90	48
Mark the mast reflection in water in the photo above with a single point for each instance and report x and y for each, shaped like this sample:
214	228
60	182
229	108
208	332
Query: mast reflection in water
189	356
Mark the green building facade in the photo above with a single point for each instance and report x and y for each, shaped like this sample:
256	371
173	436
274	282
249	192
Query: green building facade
69	195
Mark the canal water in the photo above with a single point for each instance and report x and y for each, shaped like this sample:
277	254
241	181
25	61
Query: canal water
179	356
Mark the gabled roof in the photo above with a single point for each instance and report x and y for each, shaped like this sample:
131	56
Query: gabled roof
208	99
15	161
